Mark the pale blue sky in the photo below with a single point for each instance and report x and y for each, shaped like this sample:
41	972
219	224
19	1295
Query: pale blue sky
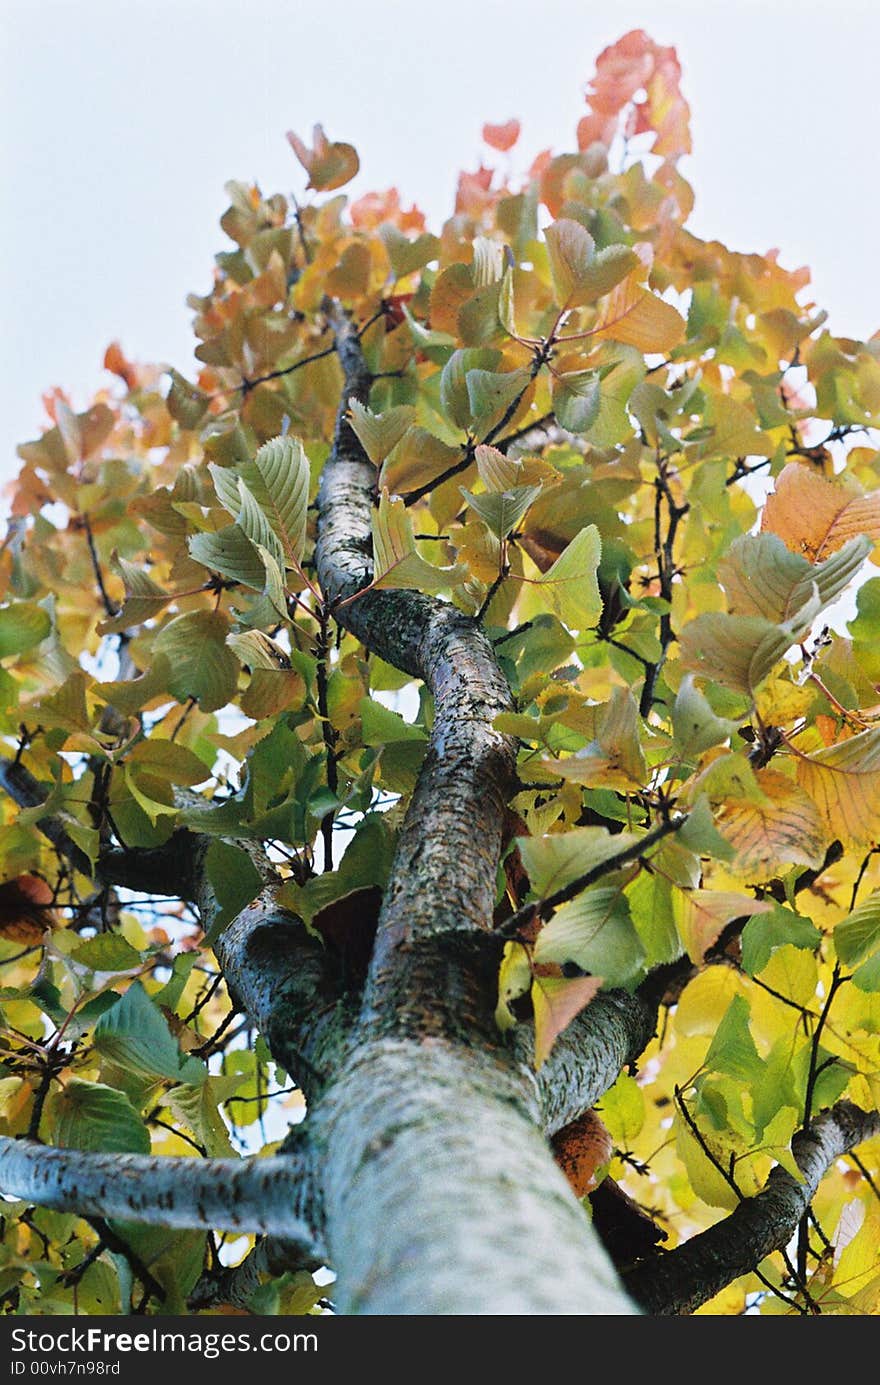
122	121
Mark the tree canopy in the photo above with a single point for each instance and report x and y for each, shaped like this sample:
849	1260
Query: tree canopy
451	709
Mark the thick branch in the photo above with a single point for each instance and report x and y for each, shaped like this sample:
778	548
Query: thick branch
443	879
248	1195
683	1279
590	1054
236	1285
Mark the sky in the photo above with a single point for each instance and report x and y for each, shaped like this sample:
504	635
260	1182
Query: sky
123	120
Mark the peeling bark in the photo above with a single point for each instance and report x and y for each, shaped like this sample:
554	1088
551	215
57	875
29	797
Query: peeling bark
680	1280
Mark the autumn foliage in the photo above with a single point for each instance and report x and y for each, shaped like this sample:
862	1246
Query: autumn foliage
645	465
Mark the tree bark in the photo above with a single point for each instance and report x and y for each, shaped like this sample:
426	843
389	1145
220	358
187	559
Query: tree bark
440	1192
680	1280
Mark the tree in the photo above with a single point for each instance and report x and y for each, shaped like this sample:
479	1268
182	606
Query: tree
434	714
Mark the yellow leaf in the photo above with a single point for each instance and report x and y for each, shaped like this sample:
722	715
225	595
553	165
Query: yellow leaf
637	317
701	916
783	829
843	781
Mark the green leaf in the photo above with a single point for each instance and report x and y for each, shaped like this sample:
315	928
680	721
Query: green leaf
186	403
90	1115
284	470
571	585
135	1036
694	725
596	933
732	1049
740	651
381	726
201	664
164	759
555	860
22	625
197	1109
107	952
454	397
229	552
502	510
397	563
235	880
623	1111
857	936
762	577
491	394
406	256
379	434
576	399
764	933
615	758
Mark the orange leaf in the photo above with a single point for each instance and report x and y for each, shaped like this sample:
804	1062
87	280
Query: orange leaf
329	165
637	317
580	1149
502	137
116	361
556	1001
26	909
815	516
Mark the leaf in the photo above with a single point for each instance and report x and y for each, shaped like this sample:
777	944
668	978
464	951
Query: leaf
576	399
454	397
502	510
134	1034
595	932
702	915
843	780
201	664
764	578
502	137
90	1115
284	470
166	760
582	1149
379	434
406	255
514	982
492	395
764	933
26	910
694	725
144	598
706	1180
108	952
381	726
857	936
186	403
740	651
397	564
22	625
329	165
732	1050
256	650
497	471
580	276
614	758
555	860
230	553
623	1111
556	1003
235	881
785	829
633	315
815	516
571	584
197	1109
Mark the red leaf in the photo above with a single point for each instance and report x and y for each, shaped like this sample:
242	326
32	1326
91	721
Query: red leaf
502	137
